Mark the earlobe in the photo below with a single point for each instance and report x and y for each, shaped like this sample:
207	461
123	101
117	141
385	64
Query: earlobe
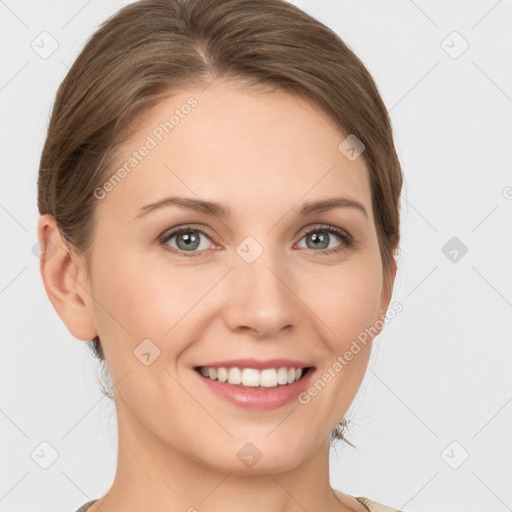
64	280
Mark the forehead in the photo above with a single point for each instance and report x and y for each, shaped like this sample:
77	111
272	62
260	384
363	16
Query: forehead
244	149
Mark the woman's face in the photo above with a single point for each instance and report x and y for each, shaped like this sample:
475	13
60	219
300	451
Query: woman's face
252	284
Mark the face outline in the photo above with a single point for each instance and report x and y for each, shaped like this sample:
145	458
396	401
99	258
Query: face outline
262	156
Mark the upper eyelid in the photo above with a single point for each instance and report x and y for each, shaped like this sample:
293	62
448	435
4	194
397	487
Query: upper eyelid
172	232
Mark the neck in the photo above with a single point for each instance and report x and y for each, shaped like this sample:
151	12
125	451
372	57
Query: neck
151	475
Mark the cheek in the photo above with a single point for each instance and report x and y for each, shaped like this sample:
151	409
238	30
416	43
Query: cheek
142	300
347	300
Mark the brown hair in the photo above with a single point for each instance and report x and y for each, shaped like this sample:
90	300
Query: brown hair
152	47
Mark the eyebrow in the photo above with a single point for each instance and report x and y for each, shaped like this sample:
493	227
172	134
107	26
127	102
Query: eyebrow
219	210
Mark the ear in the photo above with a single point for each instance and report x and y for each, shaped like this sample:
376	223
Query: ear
387	290
64	279
387	286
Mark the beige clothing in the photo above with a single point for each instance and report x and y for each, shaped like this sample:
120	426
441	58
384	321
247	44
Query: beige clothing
372	506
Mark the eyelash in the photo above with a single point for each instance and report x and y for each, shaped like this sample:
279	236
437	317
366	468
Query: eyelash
347	241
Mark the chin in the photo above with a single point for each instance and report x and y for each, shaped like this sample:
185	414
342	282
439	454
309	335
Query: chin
253	454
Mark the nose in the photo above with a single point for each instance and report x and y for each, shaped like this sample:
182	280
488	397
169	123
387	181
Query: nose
260	298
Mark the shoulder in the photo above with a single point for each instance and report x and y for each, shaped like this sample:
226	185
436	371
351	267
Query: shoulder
373	506
361	504
85	506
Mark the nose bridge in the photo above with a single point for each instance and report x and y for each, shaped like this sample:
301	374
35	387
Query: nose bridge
260	299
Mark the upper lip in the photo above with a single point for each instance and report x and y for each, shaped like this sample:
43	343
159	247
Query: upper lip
258	364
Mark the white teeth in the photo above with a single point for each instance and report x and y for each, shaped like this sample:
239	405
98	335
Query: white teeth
282	376
251	377
268	378
222	374
234	375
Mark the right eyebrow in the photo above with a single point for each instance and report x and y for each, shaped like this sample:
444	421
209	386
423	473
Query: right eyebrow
199	205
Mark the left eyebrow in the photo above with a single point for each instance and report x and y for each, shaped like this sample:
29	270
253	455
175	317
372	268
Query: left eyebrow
330	204
219	210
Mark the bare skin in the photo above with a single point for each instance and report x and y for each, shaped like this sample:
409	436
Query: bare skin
262	155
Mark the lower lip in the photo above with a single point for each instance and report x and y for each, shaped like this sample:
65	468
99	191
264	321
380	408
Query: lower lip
260	399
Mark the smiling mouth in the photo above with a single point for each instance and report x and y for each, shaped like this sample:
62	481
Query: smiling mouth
253	378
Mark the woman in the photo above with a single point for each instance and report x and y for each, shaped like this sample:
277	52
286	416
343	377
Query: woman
220	191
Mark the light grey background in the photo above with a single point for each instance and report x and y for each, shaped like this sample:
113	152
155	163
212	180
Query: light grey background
441	371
